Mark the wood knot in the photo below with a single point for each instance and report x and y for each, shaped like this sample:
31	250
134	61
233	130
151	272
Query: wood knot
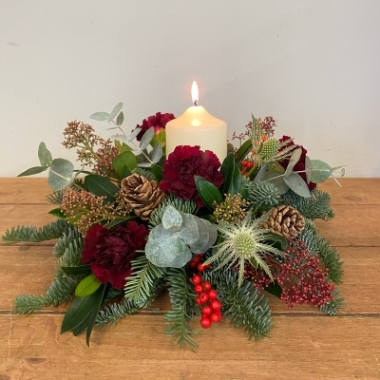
34	361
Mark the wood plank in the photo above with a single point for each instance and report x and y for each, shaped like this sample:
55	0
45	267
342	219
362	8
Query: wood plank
333	348
30	270
24	190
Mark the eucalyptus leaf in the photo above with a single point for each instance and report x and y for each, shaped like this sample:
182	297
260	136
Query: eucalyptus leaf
101	186
277	180
124	160
146	138
308	168
60	174
100	116
171	218
207	236
44	155
120	119
320	171
298	185
156	153
294	158
87	286
208	192
133	134
115	111
33	170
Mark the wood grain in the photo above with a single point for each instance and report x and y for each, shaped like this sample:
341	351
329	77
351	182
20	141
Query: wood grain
303	343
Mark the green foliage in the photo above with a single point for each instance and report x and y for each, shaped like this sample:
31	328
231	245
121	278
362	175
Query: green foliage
333	307
140	284
69	247
145	173
182	297
35	235
317	206
208	192
262	196
56	197
243	305
60	174
186	206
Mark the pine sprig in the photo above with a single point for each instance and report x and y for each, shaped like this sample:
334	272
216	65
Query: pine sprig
140	284
56	197
33	234
145	173
184	308
186	206
262	196
309	236
317	206
332	307
243	305
69	247
331	260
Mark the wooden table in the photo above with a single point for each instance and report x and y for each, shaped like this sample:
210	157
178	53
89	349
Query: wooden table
303	344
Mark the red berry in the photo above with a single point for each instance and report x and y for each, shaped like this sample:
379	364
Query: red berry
196	279
196	259
213	294
206	266
205	322
201	267
203	297
215	304
207	286
198	301
192	264
206	310
198	289
216	316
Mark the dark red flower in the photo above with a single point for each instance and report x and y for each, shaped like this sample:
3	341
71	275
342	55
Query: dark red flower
110	252
157	121
183	164
300	165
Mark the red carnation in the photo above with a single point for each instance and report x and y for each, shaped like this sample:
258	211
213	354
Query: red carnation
157	121
110	252
300	165
183	164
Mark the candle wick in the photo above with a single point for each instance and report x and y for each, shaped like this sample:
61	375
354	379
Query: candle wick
195	102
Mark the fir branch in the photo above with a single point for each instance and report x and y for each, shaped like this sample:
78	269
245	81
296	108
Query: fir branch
27	304
56	197
186	206
145	173
69	246
309	236
140	284
317	206
262	196
331	260
184	308
332	307
243	305
33	234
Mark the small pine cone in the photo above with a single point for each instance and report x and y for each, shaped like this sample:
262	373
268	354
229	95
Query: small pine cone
141	195
285	221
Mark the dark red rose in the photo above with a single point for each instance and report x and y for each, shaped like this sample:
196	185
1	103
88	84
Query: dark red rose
157	121
300	165
183	164
110	252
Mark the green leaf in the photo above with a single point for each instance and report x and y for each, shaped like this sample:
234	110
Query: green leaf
298	185
159	138
100	116
228	169
87	286
101	186
294	158
114	223
278	182
44	155
275	289
60	174
208	192
308	168
147	138
243	150
157	171
33	170
235	185
320	171
115	111
120	119
275	238
156	153
124	160
57	212
78	270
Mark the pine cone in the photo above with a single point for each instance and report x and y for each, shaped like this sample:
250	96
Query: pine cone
141	195
285	221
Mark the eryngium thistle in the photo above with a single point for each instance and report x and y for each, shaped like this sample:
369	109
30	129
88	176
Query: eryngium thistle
243	242
269	149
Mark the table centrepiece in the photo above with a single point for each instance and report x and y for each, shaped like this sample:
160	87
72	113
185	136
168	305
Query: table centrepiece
217	230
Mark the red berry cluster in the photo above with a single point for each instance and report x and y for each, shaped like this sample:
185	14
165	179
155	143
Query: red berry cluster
246	166
206	295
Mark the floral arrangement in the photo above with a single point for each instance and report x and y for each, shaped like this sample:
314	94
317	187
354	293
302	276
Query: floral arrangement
216	235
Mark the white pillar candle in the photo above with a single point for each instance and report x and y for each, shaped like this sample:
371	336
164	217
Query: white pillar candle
197	127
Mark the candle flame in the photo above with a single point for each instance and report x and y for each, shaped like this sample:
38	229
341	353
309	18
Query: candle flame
195	93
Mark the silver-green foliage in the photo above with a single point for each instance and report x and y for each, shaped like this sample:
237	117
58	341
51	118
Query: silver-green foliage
262	196
172	243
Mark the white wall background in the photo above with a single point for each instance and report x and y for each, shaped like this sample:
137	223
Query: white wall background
312	65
